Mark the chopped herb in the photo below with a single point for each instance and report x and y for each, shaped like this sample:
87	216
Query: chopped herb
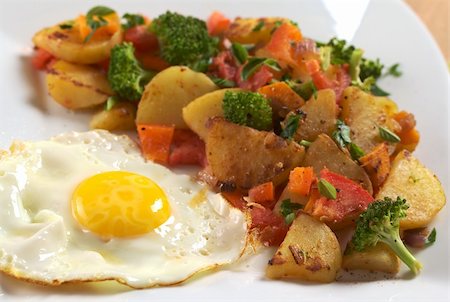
377	91
431	238
326	189
342	134
355	151
325	57
258	26
304	90
393	71
95	20
388	135
305	143
288	210
276	24
291	127
132	20
293	23
239	52
222	83
111	102
67	25
254	64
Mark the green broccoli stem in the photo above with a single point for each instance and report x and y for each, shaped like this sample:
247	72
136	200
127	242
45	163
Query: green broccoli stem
396	244
147	75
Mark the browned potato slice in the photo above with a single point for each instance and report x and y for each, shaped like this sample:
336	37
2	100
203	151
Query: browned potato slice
364	113
68	46
200	110
77	86
309	252
119	117
320	118
252	30
247	157
168	92
422	190
324	153
379	258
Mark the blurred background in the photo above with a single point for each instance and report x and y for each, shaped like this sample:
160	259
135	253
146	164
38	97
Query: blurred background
435	15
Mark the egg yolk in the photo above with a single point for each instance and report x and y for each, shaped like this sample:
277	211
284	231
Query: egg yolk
119	204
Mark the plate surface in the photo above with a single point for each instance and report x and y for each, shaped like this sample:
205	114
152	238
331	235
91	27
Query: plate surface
384	28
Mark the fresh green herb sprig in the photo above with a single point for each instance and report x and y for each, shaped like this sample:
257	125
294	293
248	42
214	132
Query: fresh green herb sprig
95	19
132	20
255	63
289	209
326	189
291	125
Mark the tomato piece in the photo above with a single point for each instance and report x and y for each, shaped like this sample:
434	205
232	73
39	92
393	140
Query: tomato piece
155	141
142	38
256	81
187	149
272	228
351	200
217	23
236	198
280	45
41	58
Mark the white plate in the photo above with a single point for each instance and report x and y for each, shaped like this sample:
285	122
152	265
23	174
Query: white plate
386	29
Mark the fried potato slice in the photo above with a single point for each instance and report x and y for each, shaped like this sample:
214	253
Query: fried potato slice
310	252
246	157
422	190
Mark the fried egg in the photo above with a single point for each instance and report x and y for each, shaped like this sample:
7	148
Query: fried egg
88	207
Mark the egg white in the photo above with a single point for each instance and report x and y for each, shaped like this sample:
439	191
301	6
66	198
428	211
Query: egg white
40	241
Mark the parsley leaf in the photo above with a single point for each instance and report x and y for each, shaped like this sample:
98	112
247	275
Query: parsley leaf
377	91
291	127
132	20
222	83
326	189
259	26
431	238
288	210
342	134
388	135
239	52
355	151
67	25
393	71
95	20
254	64
304	90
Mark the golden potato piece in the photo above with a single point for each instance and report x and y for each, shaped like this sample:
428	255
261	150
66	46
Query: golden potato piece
310	252
422	190
379	258
252	30
168	92
119	117
200	110
68	45
246	157
364	113
320	117
324	153
77	86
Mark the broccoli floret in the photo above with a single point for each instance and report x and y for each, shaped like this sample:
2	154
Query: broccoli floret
380	222
184	40
126	77
247	108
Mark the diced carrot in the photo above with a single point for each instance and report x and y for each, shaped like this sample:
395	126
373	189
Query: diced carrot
112	26
281	94
217	23
41	58
409	136
300	180
155	141
377	165
151	61
263	194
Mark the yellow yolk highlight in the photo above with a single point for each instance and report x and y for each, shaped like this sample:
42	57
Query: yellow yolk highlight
119	204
